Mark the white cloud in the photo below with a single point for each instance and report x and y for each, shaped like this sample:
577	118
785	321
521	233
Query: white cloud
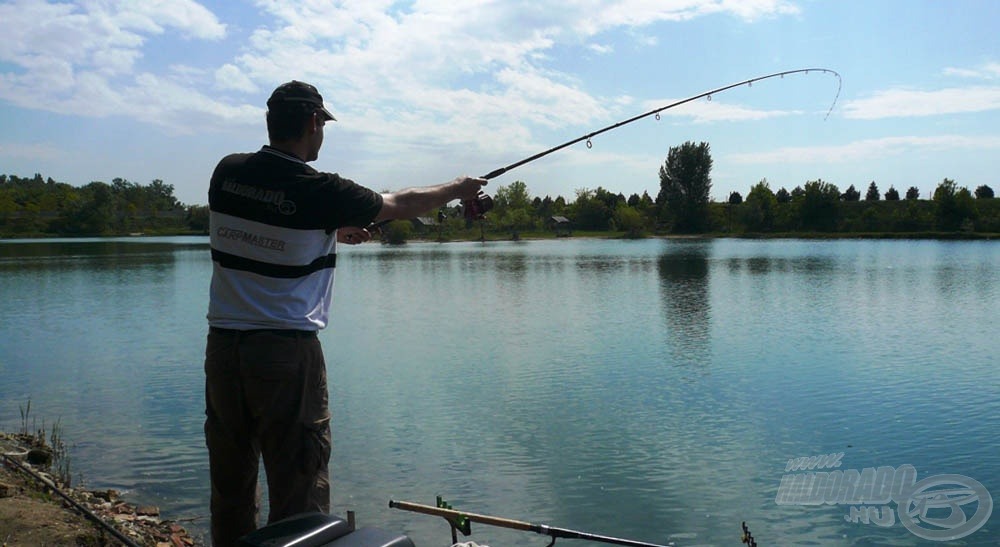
868	149
457	70
637	13
90	34
896	103
79	58
173	105
601	49
988	71
230	77
189	17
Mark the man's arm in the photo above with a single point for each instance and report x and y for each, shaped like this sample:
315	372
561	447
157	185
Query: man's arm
411	202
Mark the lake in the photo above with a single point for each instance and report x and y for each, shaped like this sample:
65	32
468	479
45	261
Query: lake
658	390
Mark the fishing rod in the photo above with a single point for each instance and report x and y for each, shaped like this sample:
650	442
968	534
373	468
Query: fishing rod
461	521
474	209
657	111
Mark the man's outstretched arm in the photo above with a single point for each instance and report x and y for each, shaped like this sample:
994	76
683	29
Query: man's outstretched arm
410	202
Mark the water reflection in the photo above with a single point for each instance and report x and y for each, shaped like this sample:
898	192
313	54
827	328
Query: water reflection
763	265
91	255
510	267
684	291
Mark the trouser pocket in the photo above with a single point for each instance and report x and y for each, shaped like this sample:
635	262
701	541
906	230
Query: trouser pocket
314	454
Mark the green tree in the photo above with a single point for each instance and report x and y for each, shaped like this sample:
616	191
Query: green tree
590	212
872	194
512	208
851	194
94	214
913	217
685	183
545	208
953	206
197	218
609	199
892	194
514	196
913	193
629	220
783	196
984	192
819	209
760	208
161	196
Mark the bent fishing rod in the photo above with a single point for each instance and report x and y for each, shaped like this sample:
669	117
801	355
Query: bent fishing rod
475	208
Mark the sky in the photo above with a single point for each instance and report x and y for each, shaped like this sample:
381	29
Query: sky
427	90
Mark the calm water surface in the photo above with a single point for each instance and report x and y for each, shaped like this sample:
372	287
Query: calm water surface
645	389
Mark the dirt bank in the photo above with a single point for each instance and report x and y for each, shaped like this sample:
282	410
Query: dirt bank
33	514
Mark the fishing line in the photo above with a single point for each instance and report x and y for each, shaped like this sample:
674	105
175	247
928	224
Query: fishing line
656	112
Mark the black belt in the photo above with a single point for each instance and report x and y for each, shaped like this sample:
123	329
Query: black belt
288	333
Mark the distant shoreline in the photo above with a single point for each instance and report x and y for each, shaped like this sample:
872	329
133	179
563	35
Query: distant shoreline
533	236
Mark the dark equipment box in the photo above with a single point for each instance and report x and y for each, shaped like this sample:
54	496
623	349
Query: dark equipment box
319	530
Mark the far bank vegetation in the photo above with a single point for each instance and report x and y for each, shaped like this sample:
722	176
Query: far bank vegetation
43	207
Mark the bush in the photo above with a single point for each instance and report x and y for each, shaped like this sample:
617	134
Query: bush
397	232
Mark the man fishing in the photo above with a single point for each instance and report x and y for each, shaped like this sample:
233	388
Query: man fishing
274	224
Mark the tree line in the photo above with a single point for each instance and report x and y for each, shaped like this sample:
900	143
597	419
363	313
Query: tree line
38	206
682	205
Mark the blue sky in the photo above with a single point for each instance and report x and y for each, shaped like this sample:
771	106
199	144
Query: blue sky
428	90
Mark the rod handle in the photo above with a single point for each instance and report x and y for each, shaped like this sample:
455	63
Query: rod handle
495	173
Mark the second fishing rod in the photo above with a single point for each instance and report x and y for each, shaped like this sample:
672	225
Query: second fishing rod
475	209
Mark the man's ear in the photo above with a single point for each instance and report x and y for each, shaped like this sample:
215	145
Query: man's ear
313	123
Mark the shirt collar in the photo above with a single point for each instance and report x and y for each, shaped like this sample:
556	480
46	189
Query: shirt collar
275	152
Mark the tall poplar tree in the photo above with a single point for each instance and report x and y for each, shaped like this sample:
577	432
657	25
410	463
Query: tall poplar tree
685	182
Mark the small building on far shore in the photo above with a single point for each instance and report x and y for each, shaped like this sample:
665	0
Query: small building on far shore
423	225
561	226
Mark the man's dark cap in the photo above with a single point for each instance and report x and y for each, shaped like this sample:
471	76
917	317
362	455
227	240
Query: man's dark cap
298	92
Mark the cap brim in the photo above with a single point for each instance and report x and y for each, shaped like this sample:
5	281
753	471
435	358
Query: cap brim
327	113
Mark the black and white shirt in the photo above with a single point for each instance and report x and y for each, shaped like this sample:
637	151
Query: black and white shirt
273	230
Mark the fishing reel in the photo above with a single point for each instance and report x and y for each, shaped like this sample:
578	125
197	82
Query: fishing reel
474	209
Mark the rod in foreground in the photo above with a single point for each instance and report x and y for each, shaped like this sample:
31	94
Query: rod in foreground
461	519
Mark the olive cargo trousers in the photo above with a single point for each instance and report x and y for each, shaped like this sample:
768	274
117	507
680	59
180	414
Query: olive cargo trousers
265	396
